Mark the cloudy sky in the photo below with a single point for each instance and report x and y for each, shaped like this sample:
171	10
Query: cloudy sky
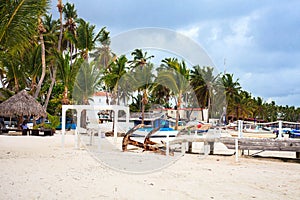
257	41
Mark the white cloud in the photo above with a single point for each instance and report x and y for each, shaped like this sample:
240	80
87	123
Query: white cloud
241	33
192	32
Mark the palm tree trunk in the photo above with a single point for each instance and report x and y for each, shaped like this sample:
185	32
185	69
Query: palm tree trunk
53	74
65	99
143	112
177	111
17	88
39	86
208	109
144	102
71	54
60	10
53	78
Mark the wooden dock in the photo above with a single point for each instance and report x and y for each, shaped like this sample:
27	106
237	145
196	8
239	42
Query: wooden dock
262	144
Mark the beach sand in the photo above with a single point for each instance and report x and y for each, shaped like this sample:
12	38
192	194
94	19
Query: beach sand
39	168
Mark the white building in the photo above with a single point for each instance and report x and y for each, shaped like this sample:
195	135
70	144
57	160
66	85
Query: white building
100	98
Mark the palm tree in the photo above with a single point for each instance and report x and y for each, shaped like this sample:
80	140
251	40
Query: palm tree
70	16
247	105
87	82
208	87
60	7
67	73
41	31
15	78
174	75
103	54
18	23
32	66
196	80
86	38
232	89
143	79
161	96
51	37
140	58
112	77
259	108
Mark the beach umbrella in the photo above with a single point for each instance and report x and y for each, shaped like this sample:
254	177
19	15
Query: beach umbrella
22	104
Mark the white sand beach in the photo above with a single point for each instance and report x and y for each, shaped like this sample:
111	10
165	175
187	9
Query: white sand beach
39	168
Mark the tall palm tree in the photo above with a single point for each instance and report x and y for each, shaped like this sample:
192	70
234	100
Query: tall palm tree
51	40
112	77
174	75
208	88
259	108
70	16
60	7
86	38
143	79
41	30
141	60
67	73
103	55
196	80
32	66
242	106
231	89
87	82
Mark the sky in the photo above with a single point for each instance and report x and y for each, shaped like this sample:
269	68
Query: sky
256	41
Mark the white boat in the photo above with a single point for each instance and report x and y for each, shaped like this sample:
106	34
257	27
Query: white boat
252	128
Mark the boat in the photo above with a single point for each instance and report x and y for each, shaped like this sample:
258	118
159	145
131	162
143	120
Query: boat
252	131
199	127
252	128
294	133
153	122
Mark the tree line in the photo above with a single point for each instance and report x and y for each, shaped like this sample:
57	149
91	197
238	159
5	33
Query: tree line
64	61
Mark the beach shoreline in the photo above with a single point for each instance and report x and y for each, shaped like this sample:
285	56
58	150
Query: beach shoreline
39	168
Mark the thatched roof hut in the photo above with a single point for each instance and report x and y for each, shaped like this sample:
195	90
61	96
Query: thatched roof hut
22	104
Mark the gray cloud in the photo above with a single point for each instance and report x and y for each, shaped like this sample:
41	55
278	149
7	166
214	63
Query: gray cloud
259	39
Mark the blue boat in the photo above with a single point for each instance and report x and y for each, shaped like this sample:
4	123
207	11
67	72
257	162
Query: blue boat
295	133
152	123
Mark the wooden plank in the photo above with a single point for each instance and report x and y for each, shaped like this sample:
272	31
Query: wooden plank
247	143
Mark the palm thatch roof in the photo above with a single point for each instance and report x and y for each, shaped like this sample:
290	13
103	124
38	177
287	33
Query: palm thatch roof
22	104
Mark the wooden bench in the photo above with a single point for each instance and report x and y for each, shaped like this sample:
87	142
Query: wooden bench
35	132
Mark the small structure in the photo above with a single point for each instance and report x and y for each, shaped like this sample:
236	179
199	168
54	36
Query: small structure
22	104
80	108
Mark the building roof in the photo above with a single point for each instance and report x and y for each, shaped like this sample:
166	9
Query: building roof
101	94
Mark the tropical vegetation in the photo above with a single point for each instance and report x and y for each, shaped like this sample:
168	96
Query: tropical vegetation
64	61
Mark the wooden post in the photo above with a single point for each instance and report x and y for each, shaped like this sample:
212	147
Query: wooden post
211	147
167	146
190	147
183	145
236	150
99	139
280	135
